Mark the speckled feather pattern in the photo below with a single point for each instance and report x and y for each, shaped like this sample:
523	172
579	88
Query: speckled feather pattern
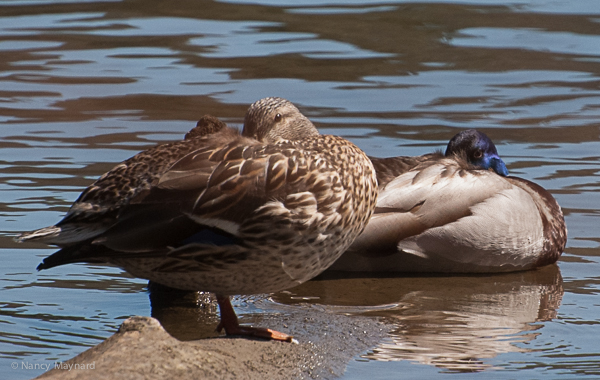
287	200
115	188
99	204
320	195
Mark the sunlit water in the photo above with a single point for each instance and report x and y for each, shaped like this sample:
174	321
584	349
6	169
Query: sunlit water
84	85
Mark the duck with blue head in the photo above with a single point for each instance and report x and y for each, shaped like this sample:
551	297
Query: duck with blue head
473	148
458	212
223	212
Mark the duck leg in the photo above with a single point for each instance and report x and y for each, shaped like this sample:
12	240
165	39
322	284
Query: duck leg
229	322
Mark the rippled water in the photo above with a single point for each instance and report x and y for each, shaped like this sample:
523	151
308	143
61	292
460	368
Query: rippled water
84	85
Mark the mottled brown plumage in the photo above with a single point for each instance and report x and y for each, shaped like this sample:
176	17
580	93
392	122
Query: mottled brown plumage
223	212
207	125
98	206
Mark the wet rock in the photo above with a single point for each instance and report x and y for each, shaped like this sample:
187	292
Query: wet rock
142	349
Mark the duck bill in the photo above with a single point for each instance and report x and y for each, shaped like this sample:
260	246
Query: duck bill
499	166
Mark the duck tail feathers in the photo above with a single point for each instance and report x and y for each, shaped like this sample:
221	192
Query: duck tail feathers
70	255
43	235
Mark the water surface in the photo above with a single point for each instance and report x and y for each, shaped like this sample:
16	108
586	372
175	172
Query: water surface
84	85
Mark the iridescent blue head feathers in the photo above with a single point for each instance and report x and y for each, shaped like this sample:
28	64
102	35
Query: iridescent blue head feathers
479	149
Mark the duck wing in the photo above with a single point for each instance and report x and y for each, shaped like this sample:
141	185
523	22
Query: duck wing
440	217
99	205
239	192
431	195
391	167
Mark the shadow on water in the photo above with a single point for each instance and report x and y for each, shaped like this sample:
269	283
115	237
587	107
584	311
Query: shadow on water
185	315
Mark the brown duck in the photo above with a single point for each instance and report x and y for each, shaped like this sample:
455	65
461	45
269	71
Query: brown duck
224	212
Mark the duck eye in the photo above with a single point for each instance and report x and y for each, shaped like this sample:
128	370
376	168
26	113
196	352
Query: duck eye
278	117
478	154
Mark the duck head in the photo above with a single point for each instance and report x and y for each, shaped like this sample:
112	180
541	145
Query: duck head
479	149
272	119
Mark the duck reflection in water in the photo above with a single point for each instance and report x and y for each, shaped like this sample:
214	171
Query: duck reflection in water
456	323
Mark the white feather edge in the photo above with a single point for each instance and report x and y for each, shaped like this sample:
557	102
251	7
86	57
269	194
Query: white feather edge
222	224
